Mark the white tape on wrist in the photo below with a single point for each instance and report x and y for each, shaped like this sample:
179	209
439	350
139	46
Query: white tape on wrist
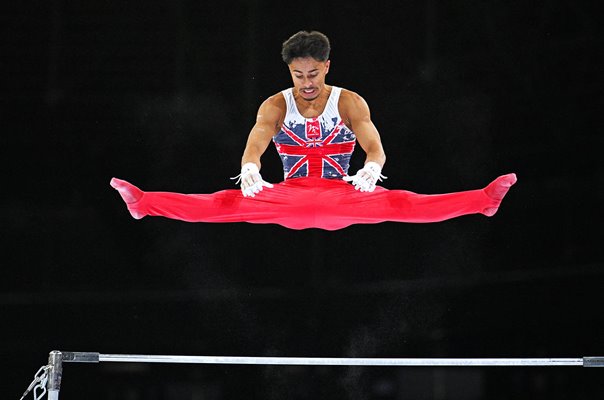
374	169
367	177
246	169
249	168
251	188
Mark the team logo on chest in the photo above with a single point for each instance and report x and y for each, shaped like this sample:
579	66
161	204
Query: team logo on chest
313	132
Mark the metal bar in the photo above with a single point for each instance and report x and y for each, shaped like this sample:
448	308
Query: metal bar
415	362
593	361
57	358
80	357
55	372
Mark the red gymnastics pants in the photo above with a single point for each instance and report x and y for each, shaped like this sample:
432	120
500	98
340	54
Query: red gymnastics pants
302	203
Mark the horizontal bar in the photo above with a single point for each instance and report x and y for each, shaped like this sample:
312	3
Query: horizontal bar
93	357
437	362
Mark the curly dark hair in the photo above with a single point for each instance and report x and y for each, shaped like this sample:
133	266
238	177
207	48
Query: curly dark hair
306	44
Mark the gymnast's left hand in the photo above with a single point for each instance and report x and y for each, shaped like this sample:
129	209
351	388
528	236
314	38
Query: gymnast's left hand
251	180
366	178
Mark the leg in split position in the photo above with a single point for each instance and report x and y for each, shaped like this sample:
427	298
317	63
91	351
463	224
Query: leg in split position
315	203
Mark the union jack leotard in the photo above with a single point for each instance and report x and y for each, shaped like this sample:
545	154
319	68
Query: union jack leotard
314	147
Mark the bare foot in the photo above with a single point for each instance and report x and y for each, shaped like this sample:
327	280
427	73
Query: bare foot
497	190
130	194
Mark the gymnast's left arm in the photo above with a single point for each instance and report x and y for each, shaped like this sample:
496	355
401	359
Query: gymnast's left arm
357	117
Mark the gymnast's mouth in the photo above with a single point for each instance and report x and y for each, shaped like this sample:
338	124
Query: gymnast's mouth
308	91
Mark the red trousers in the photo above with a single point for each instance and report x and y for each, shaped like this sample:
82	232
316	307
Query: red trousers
328	204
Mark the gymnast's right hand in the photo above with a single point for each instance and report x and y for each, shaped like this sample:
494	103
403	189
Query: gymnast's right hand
251	180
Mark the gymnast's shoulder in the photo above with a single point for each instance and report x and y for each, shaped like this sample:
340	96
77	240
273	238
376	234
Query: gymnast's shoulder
275	102
352	97
351	103
273	109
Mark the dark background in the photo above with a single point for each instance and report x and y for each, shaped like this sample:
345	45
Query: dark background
163	94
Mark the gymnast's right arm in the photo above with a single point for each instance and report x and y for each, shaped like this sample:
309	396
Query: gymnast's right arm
269	118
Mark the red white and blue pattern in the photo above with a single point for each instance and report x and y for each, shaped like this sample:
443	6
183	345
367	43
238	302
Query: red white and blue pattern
316	147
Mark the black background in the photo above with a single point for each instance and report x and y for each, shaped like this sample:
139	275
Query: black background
163	94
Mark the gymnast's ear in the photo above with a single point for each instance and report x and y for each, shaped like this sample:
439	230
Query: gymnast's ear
327	66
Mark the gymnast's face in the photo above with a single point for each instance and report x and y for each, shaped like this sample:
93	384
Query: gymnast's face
308	75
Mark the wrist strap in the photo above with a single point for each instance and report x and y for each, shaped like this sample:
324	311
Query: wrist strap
375	170
246	169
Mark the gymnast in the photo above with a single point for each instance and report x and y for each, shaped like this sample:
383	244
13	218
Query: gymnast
314	127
